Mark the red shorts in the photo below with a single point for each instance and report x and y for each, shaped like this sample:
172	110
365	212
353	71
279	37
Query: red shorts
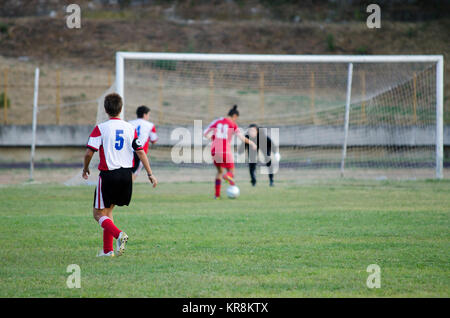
223	160
227	165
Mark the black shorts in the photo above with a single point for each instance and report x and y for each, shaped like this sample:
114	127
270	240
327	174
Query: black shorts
114	187
137	161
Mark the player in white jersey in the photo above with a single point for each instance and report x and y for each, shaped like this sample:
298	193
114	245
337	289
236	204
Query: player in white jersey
116	141
146	131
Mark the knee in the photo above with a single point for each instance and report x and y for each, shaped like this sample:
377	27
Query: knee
97	214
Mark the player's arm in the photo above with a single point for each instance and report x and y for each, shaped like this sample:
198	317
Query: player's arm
93	144
246	140
243	147
209	131
87	159
208	135
143	157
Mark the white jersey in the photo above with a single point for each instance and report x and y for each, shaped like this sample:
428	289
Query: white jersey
146	132
115	140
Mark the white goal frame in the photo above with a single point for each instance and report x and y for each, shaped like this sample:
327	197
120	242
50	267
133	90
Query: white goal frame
347	59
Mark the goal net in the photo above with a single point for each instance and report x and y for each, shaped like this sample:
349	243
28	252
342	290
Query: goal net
77	179
353	116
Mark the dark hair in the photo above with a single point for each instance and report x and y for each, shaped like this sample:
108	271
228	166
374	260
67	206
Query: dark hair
113	104
141	111
259	132
233	111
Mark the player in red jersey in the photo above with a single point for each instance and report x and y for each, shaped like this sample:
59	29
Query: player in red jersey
115	140
223	130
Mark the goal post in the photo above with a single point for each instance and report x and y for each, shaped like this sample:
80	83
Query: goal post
387	87
34	124
347	115
440	117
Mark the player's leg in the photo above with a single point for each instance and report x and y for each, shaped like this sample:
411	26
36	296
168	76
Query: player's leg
109	212
252	169
229	176
103	207
108	238
119	192
269	165
110	230
138	170
229	165
218	180
101	216
136	167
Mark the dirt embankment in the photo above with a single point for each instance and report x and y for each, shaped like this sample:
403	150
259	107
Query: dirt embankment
49	40
86	56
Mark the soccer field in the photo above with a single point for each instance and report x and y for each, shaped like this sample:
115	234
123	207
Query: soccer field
293	240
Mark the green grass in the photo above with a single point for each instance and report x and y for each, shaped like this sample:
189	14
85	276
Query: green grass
289	241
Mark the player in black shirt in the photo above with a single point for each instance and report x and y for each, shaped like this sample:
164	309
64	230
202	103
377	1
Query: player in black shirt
263	143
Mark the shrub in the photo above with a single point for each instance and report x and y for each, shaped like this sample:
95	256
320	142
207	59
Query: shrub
330	42
2	101
3	28
362	50
165	65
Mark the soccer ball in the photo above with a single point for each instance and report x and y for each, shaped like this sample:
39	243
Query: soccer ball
233	192
277	157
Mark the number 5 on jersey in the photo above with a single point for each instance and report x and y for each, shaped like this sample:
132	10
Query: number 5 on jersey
119	139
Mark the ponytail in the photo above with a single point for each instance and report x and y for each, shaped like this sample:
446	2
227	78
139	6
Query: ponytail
233	111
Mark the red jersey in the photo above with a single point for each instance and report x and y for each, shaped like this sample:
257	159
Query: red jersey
223	131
